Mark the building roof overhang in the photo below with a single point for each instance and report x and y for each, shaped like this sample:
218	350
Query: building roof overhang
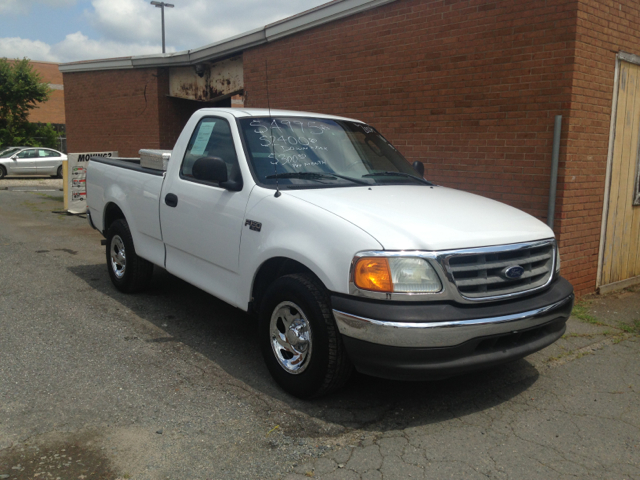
320	15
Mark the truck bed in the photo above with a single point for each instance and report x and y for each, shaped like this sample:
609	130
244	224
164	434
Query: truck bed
136	190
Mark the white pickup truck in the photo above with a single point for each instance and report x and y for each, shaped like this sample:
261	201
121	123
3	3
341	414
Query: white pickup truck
350	258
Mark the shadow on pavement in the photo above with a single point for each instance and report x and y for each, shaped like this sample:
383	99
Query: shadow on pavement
227	336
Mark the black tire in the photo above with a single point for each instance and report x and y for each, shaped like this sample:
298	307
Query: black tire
325	367
3	172
59	172
128	272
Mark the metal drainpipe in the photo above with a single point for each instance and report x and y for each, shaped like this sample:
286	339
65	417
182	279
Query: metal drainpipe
555	156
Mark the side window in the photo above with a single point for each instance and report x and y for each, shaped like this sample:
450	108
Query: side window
42	153
27	154
211	138
51	153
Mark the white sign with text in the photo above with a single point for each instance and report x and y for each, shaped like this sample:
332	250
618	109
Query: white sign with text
77	179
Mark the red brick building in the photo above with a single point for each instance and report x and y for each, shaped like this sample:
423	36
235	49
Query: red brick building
51	111
468	87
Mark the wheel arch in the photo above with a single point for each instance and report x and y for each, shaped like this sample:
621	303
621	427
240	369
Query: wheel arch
269	271
112	212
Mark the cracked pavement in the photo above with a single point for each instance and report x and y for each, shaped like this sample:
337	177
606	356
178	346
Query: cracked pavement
170	384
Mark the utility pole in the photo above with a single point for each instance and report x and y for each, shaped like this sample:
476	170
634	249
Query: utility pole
161	6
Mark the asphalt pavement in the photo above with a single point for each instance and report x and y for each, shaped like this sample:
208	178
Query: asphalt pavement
170	384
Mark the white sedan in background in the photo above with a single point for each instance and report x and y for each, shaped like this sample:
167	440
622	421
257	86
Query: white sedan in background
31	161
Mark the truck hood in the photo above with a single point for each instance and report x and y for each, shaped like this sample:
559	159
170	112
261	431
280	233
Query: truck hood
407	217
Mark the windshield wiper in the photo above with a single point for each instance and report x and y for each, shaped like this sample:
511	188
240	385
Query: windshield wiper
315	176
398	174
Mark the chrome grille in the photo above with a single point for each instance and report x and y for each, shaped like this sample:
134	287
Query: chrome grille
482	274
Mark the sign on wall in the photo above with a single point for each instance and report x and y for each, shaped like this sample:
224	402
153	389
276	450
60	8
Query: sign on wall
77	179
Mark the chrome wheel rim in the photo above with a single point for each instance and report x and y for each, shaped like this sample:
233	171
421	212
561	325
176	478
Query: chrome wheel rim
118	256
290	334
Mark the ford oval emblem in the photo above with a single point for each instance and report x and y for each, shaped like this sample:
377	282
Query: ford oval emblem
514	272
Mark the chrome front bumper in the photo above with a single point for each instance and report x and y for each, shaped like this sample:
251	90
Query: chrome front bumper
446	333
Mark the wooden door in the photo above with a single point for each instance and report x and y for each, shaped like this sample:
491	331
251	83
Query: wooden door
621	256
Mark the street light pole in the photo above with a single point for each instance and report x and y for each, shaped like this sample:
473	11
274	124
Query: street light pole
161	6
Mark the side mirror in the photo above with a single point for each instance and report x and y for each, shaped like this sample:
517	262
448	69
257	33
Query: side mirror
213	169
210	169
419	167
14	157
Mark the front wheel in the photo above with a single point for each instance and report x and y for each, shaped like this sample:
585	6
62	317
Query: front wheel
299	338
3	172
128	272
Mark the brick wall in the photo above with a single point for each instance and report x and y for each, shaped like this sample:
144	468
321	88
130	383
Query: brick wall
113	110
469	87
51	111
123	110
603	29
174	112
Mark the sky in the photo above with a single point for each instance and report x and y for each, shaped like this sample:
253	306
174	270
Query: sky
73	30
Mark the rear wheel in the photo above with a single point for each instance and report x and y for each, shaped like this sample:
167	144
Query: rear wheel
59	172
299	339
128	272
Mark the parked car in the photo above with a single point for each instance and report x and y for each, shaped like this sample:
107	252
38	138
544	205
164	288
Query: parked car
31	161
348	256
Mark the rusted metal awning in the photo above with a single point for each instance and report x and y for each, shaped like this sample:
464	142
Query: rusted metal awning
206	82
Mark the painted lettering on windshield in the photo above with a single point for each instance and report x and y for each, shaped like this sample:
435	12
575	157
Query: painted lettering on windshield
291	141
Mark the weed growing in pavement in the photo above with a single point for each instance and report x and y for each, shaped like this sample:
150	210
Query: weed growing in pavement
581	311
33	206
56	198
626	328
633	328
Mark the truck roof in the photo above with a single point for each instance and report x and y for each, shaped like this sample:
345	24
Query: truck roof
265	112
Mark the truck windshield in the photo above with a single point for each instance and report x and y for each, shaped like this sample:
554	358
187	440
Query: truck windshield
302	152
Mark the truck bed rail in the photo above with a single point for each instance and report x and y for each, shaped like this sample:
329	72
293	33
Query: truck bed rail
128	163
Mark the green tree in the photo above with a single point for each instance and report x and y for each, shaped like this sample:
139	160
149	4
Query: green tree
21	89
42	135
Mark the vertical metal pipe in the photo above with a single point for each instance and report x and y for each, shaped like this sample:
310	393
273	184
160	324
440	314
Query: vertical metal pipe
555	156
162	8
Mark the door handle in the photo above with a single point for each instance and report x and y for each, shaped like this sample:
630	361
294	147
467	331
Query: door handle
171	200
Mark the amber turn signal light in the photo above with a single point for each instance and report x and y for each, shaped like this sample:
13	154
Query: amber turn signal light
373	273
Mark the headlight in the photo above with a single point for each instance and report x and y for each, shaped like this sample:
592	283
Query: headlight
557	259
396	274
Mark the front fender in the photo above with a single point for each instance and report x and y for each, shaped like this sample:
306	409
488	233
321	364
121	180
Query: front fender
292	228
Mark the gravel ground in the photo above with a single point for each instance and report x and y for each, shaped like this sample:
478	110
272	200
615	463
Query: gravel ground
13	181
169	384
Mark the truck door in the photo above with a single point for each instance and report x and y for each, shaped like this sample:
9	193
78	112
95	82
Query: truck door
201	221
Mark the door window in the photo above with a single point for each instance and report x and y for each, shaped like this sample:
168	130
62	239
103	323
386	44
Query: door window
28	154
211	138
